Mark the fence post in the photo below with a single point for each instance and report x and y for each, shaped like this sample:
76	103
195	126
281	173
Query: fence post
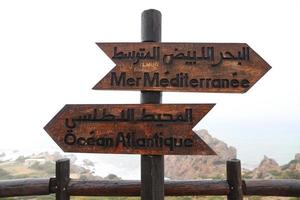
152	166
62	174
234	178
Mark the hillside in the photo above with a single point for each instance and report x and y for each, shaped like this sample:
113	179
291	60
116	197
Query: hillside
42	165
195	167
176	167
270	169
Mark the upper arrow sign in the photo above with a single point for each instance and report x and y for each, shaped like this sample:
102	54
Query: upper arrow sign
130	129
191	67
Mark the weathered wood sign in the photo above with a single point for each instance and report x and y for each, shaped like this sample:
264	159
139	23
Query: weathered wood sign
131	129
190	67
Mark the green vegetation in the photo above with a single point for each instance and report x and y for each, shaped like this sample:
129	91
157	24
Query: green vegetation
48	167
4	174
44	167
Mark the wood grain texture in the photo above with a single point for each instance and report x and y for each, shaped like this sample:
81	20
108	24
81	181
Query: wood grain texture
152	177
188	67
36	186
62	174
24	187
152	166
130	129
132	188
234	178
279	187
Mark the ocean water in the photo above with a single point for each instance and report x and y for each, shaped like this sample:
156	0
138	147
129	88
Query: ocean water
124	166
253	145
251	148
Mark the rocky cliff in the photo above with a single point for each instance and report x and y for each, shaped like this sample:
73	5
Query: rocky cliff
42	165
195	167
176	167
270	169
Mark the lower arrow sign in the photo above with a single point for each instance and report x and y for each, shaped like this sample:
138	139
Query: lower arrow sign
130	129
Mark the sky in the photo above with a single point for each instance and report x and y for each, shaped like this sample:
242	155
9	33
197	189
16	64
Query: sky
48	58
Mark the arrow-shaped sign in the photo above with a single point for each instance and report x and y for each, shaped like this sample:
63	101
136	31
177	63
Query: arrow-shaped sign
130	129
191	67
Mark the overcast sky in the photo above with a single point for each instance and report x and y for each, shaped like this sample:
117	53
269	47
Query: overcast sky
48	58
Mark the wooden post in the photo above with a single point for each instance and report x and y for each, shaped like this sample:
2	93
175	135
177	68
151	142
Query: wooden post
234	179
152	166
62	172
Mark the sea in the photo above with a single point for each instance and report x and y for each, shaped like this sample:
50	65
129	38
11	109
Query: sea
251	149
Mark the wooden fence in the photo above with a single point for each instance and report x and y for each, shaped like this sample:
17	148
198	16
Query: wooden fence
64	187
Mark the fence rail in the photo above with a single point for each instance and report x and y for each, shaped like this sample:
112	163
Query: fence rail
34	187
73	187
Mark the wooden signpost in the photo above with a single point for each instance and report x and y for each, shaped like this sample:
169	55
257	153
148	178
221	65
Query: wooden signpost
153	129
131	129
188	67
